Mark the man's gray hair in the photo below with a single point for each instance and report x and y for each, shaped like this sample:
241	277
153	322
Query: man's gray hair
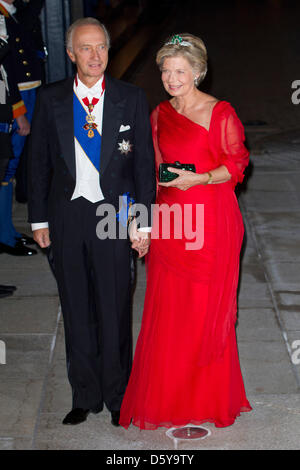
84	22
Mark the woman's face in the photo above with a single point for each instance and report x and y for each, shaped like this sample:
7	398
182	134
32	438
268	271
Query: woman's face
177	76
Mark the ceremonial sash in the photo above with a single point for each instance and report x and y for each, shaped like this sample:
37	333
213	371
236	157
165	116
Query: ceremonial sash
3	11
91	146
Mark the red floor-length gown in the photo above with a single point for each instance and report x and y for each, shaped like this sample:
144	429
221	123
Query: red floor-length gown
186	367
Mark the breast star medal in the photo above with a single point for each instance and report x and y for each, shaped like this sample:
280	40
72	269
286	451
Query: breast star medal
90	125
125	147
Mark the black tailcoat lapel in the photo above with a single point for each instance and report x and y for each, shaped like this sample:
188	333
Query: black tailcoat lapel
63	110
113	112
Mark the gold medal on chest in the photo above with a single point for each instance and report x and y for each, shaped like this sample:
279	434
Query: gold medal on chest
89	127
89	118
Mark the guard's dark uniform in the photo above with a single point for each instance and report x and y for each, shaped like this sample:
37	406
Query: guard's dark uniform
24	67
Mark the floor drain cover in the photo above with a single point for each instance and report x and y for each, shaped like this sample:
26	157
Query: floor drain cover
187	433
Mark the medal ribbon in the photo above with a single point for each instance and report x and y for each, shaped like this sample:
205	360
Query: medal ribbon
90	105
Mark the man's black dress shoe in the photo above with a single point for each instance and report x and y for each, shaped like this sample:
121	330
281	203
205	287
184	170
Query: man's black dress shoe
5	293
115	417
76	416
25	240
79	415
18	250
7	288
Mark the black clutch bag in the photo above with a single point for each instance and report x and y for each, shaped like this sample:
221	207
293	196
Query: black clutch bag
165	176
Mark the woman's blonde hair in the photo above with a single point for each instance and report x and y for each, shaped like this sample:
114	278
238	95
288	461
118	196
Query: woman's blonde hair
188	46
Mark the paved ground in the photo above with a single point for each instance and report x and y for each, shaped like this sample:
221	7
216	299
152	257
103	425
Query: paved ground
34	392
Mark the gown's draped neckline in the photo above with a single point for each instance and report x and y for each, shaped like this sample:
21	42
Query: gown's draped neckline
169	104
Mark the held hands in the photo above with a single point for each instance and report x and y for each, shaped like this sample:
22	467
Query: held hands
140	241
186	179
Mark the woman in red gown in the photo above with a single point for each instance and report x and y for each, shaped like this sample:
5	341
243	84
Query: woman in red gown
186	367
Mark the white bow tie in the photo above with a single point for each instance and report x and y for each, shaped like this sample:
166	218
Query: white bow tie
93	92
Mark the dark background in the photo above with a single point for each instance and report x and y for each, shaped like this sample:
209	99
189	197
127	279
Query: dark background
253	48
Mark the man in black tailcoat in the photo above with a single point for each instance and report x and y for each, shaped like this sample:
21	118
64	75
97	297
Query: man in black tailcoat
90	144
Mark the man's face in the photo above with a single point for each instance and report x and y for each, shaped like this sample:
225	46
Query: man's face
89	53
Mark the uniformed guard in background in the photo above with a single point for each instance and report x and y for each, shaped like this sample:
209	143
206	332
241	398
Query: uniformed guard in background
23	65
6	118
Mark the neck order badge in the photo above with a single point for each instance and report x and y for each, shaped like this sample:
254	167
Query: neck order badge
90	125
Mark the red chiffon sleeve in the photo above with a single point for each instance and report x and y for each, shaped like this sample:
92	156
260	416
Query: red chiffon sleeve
227	142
